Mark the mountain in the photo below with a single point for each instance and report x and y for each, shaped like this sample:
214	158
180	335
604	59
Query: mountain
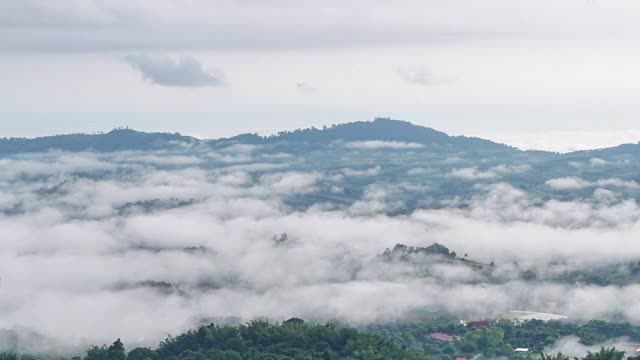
623	149
117	139
381	129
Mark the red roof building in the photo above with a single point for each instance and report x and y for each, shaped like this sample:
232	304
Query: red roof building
477	324
441	336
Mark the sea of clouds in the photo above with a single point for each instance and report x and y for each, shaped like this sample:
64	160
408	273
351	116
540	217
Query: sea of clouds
139	245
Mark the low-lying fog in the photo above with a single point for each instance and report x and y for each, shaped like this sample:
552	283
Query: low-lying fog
140	245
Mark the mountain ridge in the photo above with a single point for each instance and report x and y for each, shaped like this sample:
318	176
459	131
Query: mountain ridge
380	129
116	139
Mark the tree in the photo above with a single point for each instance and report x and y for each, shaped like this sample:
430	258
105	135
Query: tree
8	356
97	353
142	354
605	354
437	249
280	239
557	356
293	321
116	351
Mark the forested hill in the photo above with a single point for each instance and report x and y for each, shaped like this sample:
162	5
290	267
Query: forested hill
404	340
381	129
115	140
293	339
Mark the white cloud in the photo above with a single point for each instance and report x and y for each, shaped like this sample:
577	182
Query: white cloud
379	144
576	183
597	162
565	141
510	169
341	23
617	183
69	234
305	87
418	171
374	200
372	171
289	182
418	75
472	173
571	346
568	183
164	71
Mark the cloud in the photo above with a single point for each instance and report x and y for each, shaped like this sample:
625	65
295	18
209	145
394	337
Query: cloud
305	87
598	162
164	71
372	171
571	346
567	183
168	24
420	170
380	144
374	200
473	173
510	169
289	182
564	141
576	183
617	183
418	76
205	228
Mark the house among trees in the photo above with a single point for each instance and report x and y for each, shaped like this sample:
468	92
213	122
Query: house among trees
441	337
477	324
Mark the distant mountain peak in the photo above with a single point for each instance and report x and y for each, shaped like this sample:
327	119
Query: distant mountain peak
379	129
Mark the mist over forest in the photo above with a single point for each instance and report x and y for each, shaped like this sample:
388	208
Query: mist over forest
136	236
319	180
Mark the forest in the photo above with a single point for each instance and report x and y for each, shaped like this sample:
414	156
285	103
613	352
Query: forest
292	339
297	339
501	337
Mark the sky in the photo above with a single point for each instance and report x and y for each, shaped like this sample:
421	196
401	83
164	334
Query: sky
535	74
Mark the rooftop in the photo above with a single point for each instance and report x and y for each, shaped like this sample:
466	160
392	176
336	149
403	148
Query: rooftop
441	336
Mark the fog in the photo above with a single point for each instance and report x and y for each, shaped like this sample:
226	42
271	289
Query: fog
139	245
571	346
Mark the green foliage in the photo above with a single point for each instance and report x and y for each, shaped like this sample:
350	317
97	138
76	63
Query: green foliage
142	354
293	339
117	139
8	356
557	356
403	252
605	354
114	352
501	338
